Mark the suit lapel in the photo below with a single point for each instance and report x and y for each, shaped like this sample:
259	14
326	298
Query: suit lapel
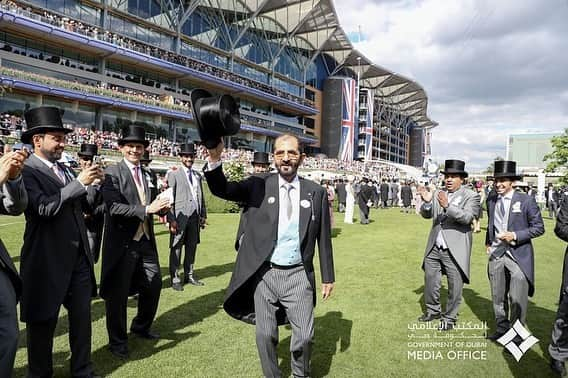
147	192
39	165
272	191
306	197
513	199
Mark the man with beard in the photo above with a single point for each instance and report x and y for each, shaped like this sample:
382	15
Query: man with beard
56	264
186	217
129	255
274	277
449	244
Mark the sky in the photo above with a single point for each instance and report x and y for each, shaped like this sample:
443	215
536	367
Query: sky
490	68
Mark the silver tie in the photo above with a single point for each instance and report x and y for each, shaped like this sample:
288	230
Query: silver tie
289	208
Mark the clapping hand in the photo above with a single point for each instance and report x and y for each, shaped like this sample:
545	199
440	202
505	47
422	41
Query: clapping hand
443	199
11	164
425	194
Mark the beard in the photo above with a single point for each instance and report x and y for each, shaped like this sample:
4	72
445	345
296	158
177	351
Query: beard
52	156
287	171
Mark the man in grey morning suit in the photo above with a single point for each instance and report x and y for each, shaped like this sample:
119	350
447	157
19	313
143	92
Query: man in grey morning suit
274	271
186	217
13	201
449	244
513	221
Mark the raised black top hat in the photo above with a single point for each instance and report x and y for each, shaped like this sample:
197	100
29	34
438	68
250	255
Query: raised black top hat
187	149
506	168
145	157
133	134
454	167
260	157
88	150
41	120
215	116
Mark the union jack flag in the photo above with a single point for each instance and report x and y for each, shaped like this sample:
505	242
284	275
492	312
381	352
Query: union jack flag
348	118
369	126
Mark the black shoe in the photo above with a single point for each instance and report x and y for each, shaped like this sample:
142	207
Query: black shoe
446	325
177	286
148	335
558	367
193	281
120	352
494	337
428	317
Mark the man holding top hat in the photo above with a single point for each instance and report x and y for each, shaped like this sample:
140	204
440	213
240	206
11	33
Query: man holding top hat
186	217
449	244
514	219
56	261
260	164
93	206
274	277
129	255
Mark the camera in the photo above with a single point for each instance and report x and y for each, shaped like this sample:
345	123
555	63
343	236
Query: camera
22	146
99	160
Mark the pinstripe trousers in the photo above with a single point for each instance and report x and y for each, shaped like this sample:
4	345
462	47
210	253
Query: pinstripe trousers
291	290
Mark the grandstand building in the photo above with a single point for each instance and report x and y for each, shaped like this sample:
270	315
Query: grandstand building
108	63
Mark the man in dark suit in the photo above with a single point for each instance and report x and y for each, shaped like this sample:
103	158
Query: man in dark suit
406	197
384	189
186	217
260	164
558	348
129	255
274	271
364	198
552	200
341	195
514	220
56	261
13	201
93	206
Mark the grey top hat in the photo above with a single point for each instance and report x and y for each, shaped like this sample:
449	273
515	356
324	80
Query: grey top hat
215	116
43	119
260	157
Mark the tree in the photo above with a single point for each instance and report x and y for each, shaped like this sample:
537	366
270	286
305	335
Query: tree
558	158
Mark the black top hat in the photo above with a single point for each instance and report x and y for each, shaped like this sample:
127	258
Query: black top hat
88	150
187	149
41	120
215	116
133	134
454	167
260	157
145	157
506	168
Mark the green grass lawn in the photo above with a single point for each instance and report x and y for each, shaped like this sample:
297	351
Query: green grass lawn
361	331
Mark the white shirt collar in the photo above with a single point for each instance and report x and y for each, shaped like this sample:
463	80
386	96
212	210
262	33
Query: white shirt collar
295	182
44	161
131	166
509	195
